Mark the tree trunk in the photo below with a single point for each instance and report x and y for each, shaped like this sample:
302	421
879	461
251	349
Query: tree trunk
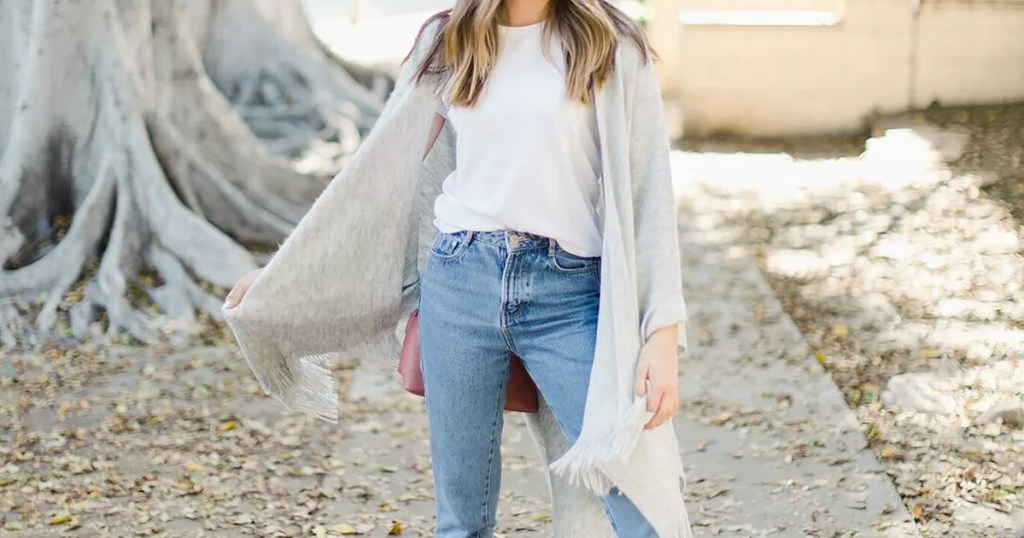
143	143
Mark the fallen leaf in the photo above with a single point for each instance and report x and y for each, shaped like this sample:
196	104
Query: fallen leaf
869	393
342	528
998	495
61	519
721	419
890	453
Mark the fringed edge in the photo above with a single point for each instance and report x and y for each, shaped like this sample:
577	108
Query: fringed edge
581	462
306	384
312	389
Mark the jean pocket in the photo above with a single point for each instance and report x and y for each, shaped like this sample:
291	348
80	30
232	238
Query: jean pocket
448	245
563	261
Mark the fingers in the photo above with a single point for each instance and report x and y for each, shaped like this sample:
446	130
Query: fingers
654	399
664	403
662	400
235	296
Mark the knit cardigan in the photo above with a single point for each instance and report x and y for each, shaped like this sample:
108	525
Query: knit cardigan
344	281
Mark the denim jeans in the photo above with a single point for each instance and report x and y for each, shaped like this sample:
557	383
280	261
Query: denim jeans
484	294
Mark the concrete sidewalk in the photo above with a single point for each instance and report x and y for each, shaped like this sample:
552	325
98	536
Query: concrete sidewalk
770	445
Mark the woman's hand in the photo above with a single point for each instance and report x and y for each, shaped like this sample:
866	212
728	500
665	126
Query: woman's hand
235	295
659	363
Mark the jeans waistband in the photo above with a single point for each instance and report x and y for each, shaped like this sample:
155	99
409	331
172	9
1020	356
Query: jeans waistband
510	239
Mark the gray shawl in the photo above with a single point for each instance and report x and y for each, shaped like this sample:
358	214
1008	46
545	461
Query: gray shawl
344	281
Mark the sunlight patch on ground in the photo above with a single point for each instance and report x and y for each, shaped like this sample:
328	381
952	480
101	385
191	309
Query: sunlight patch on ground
898	159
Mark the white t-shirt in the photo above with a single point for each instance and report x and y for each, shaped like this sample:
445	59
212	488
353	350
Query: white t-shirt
527	158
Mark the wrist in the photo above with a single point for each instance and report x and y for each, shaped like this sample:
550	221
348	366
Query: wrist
668	333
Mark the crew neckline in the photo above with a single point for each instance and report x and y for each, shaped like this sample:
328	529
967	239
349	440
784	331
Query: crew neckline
525	28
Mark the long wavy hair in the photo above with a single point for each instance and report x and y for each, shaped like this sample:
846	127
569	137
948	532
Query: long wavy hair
465	49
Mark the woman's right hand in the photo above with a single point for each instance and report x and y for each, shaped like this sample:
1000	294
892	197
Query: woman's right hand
235	295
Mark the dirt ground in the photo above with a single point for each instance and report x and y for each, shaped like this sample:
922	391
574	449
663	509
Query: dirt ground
124	441
904	277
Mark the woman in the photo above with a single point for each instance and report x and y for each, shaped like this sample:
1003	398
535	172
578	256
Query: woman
518	259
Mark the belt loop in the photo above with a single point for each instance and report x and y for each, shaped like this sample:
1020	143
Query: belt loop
468	237
552	246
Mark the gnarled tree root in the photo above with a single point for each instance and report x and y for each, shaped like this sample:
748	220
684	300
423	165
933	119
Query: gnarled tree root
128	182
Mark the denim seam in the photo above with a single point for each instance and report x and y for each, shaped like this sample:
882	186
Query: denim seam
590	268
490	457
503	315
460	245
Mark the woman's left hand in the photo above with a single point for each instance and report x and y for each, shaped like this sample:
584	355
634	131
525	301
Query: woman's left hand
659	364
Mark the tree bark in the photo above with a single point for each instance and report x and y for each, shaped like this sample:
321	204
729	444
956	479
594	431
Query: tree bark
144	145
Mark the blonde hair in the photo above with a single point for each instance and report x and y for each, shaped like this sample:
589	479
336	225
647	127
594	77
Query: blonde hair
465	48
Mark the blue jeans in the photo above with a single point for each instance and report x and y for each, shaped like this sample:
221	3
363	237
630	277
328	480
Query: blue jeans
482	296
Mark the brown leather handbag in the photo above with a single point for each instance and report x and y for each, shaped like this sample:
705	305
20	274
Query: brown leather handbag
521	394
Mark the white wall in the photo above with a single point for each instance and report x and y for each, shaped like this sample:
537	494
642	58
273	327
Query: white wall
970	52
778	78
